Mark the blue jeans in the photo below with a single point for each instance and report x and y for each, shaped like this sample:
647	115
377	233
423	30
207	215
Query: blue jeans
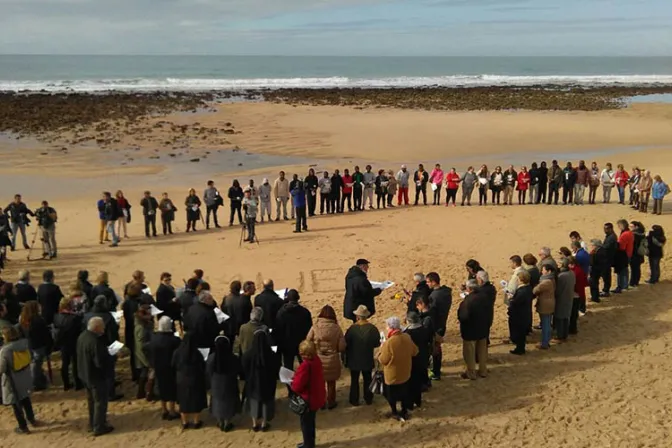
654	264
621	195
112	232
22	228
546	330
623	279
39	378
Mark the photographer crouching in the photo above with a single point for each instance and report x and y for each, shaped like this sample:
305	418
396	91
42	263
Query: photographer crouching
46	218
250	206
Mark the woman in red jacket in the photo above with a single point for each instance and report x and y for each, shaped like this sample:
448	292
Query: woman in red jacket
125	215
523	185
452	184
309	383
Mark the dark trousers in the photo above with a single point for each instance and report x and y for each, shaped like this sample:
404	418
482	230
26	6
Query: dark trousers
594	282
167	225
389	199
97	400
635	271
301	223
654	265
288	360
335	199
235	208
606	279
562	328
541	193
397	393
451	193
211	209
421	190
111	387
357	198
417	381
325	203
308	428
312	202
521	196
354	387
592	192
68	358
567	194
191	224
381	198
437	195
496	195
23	410
346	197
437	356
482	195
518	335
574	317
553	193
150	221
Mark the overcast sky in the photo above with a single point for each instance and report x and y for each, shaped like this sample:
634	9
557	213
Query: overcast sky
337	27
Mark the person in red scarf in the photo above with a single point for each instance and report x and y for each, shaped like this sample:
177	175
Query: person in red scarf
452	184
308	382
523	185
579	302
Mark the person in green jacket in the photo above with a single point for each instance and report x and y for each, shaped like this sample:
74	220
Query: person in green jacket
360	341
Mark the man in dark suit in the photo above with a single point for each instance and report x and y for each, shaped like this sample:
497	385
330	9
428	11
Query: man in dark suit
270	302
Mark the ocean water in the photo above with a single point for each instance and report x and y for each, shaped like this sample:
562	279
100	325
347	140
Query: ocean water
199	73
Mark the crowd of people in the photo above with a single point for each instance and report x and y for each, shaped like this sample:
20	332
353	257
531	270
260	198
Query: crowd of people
183	346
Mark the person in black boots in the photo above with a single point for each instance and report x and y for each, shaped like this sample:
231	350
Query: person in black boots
421	330
610	246
555	181
193	205
18	217
236	198
542	174
519	312
212	201
149	208
310	185
93	369
168	210
67	328
46	218
534	183
111	214
381	189
335	196
347	190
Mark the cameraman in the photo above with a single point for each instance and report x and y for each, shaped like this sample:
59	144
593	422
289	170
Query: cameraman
46	218
250	206
18	211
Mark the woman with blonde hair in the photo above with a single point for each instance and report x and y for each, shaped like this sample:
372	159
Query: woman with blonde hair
125	216
193	204
308	383
35	329
330	342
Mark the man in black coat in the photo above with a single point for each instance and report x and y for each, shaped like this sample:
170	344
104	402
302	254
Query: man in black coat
49	295
428	319
542	173
292	325
23	289
358	290
422	337
421	290
110	211
610	247
441	300
474	316
201	322
335	195
489	293
130	307
18	213
188	297
166	300
149	207
270	302
238	309
93	369
600	267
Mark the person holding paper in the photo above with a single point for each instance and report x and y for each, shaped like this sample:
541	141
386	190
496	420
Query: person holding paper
68	327
193	204
369	179
483	181
441	299
189	367
347	190
269	302
223	369
201	321
308	382
168	210
358	290
520	318
420	178
149	206
213	200
93	368
358	182
144	328
310	182
243	342
512	286
335	195
510	179
299	203
265	200
260	366
523	184
160	351
436	179
381	189
125	215
474	316
330	342
361	339
469	181
452	185
391	188
292	324
324	185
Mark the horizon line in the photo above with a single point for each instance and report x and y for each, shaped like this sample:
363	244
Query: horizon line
637	56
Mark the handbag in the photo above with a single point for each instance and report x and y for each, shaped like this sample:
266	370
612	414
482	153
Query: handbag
297	404
377	383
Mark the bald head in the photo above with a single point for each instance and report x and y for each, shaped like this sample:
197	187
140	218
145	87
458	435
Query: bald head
96	325
268	284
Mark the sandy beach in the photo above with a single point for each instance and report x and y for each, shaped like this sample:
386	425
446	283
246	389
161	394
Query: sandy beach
602	389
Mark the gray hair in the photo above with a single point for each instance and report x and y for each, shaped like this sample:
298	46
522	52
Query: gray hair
545	251
165	325
412	317
596	242
24	275
257	314
393	323
472	284
482	276
94	323
418	276
205	297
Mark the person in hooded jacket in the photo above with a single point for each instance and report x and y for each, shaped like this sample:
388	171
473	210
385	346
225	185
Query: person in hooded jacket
260	367
292	325
201	321
308	383
520	318
330	342
270	302
68	327
441	299
358	290
223	369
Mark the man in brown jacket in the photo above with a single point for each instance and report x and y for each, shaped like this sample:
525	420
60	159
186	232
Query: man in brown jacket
396	356
545	294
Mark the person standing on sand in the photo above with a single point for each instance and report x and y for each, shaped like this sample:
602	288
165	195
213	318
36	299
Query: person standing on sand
568	183
452	185
103	235
510	179
292	186
46	218
473	315
659	190
523	185
347	190
656	239
236	198
381	189
250	207
265	200
168	210
644	187
335	196
544	292
324	185
125	217
624	251
436	179
391	187
593	182
361	339
18	213
403	177
396	356
555	177
193	205
369	183
469	181
534	183
310	183
358	290
149	207
519	305
281	194
633	182
621	180
496	184
564	300
358	183
543	184
329	340
582	181
608	182
299	203
212	201
483	181
111	213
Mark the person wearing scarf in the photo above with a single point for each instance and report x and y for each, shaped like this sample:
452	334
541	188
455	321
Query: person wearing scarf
260	367
223	369
191	394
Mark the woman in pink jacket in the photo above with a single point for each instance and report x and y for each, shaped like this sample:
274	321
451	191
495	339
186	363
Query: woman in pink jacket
436	179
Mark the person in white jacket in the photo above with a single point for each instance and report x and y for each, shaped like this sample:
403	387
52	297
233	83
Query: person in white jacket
512	285
264	194
403	177
281	194
607	180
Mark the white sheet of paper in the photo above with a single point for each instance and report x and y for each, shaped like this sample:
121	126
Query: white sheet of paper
155	311
434	187
114	348
147	290
282	292
286	375
194	207
382	337
274	348
177	333
204	352
221	315
382	285
117	315
463	295
482	180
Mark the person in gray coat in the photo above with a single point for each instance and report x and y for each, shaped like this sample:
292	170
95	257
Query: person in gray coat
469	181
564	296
360	341
17	381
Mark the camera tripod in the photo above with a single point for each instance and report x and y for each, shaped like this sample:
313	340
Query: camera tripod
243	234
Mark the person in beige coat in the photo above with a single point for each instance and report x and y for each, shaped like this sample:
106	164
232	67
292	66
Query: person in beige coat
281	195
391	187
644	187
545	295
330	342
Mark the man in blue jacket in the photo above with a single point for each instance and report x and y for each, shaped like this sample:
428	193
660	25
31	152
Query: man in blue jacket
299	201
